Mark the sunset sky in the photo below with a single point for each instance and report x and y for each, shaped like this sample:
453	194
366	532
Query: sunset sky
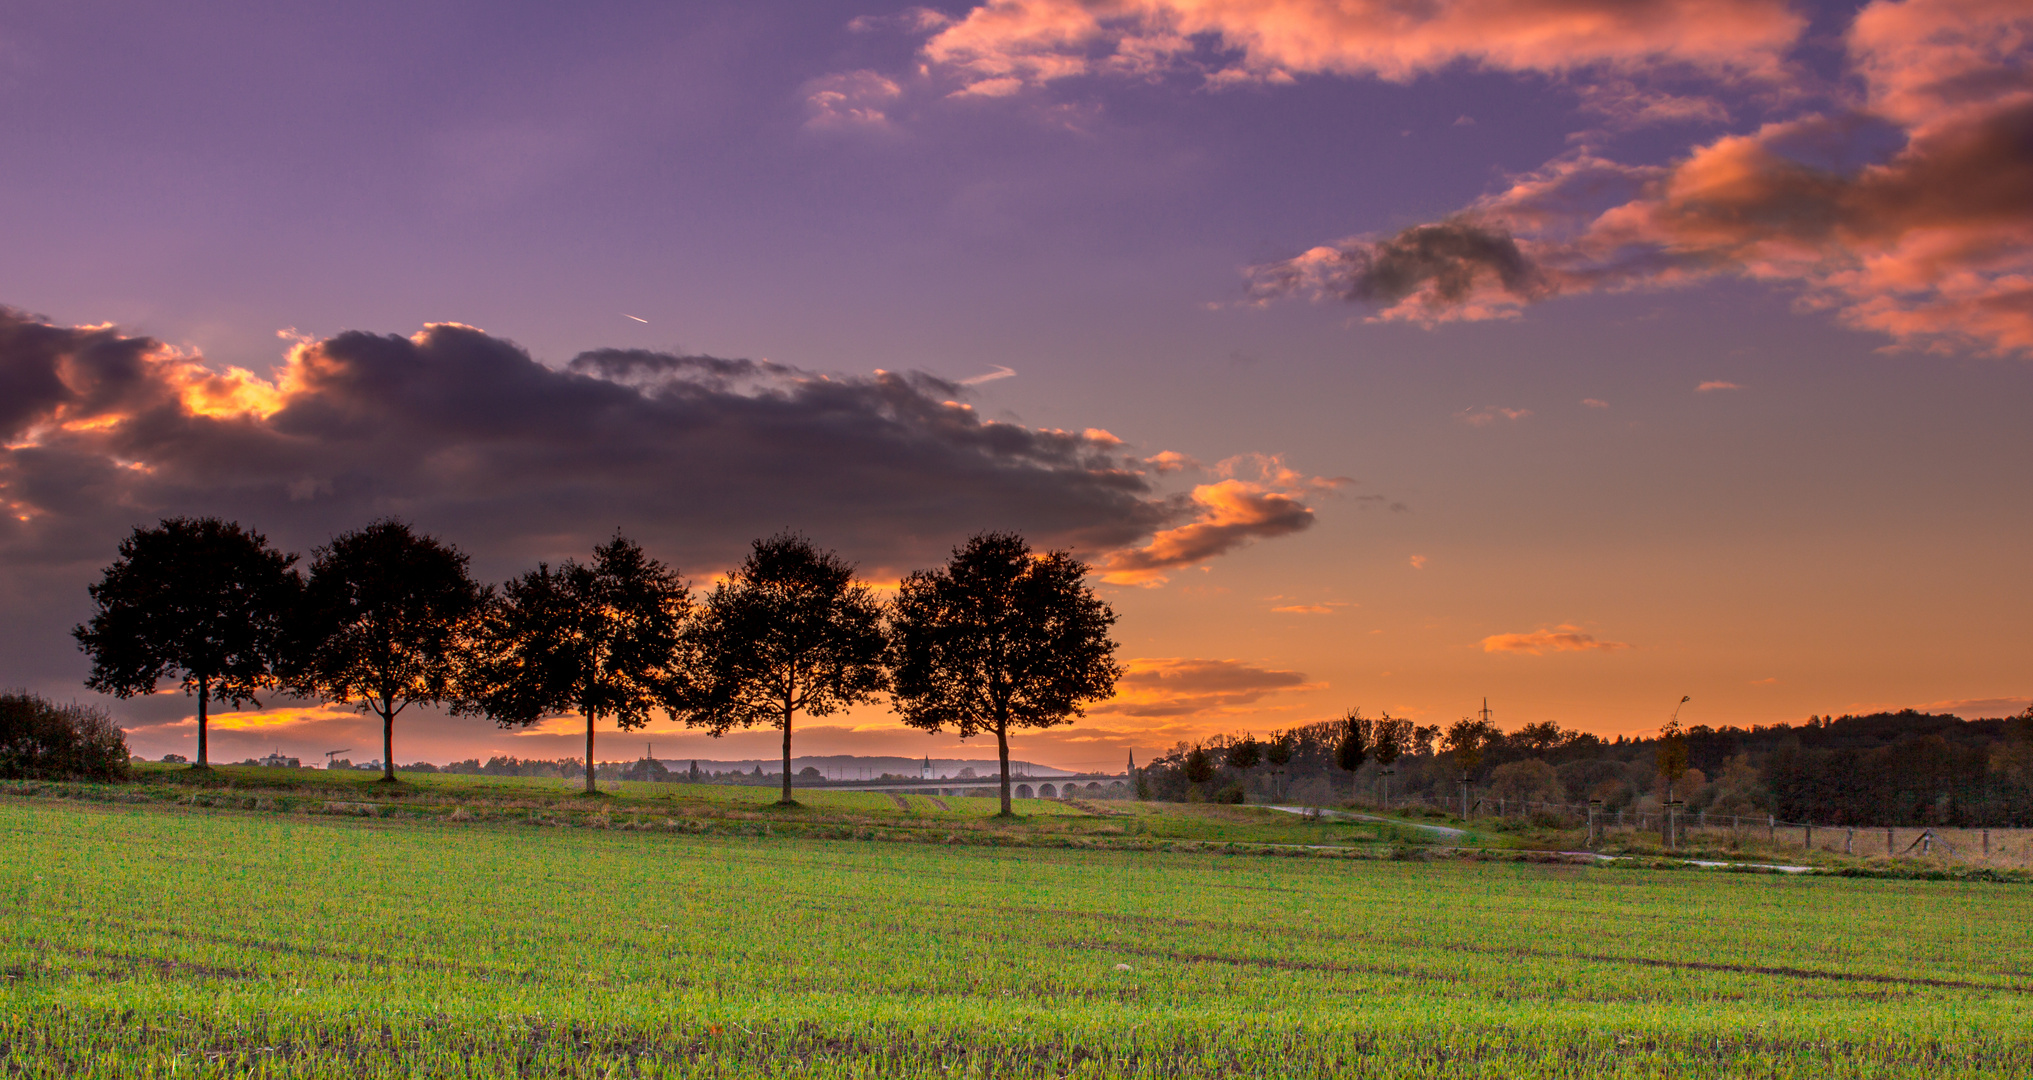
1576	354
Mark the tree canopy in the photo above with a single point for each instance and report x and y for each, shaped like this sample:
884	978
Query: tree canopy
603	639
789	631
1000	639
382	623
198	600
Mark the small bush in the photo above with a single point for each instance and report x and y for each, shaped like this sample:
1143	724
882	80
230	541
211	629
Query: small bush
42	741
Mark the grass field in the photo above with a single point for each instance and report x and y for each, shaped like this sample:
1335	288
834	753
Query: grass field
166	940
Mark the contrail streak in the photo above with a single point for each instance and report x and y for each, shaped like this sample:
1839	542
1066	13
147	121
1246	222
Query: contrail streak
1000	372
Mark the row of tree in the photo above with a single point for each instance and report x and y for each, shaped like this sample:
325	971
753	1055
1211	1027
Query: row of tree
999	638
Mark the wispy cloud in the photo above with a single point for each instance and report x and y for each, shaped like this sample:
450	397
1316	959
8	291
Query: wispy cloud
1489	414
1562	638
1328	607
1595	403
1173	686
1716	384
1418	562
852	100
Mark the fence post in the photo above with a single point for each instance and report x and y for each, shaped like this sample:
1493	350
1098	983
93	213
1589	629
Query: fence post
1806	837
1771	829
1987	843
1593	806
1849	841
1888	841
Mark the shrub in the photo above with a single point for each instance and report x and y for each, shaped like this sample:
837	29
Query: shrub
43	741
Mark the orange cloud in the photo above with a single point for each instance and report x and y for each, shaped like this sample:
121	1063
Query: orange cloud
1004	46
1166	461
1230	514
1418	562
1908	215
1716	385
850	100
1173	686
1562	638
1595	403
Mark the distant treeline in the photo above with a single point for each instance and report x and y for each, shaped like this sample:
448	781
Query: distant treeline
1901	768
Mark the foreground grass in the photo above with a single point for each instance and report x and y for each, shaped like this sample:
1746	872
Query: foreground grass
159	941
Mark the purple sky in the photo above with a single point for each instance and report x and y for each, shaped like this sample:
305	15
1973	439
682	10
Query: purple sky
1379	267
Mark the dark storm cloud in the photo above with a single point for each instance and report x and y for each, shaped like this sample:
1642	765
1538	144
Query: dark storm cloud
1444	263
469	436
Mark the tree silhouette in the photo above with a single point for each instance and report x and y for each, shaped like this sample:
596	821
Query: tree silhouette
603	639
382	623
1389	738
1278	752
789	631
1245	754
1356	736
199	600
1464	741
1672	755
1198	766
999	639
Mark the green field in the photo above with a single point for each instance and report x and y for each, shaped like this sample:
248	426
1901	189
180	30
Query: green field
190	941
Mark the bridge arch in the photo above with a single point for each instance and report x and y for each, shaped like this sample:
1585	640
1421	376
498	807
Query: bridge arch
1047	791
1023	791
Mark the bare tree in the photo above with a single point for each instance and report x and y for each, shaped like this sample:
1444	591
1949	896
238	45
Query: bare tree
1000	639
789	631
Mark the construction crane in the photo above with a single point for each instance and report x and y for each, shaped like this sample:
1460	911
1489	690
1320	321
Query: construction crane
330	754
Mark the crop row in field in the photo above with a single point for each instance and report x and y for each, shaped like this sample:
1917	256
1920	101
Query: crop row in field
141	941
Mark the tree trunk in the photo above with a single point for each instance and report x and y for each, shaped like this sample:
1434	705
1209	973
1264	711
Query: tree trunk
1002	749
592	785
388	744
787	755
204	694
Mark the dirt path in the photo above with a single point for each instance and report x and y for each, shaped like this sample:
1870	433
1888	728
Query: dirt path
901	803
940	803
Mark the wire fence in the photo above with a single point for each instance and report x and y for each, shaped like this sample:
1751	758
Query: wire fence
1680	827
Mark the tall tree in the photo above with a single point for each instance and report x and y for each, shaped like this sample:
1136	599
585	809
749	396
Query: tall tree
1278	752
1464	741
1000	639
789	631
1357	735
1389	738
383	622
199	600
602	639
